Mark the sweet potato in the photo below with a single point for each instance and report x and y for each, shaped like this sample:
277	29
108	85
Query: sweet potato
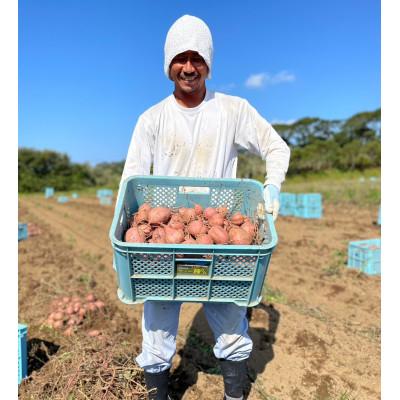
219	234
239	236
195	227
134	235
204	238
216	219
173	236
237	218
209	212
159	215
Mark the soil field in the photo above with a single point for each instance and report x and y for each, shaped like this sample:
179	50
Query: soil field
316	334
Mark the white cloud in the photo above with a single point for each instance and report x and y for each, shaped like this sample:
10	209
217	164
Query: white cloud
281	77
263	79
282	122
256	80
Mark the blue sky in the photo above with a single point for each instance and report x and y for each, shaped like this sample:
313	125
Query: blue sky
88	69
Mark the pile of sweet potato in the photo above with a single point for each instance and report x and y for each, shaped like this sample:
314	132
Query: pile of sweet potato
191	225
68	313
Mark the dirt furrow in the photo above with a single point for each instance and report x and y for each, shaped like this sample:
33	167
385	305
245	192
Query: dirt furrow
317	336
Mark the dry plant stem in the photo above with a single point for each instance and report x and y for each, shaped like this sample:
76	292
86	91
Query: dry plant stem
108	384
80	391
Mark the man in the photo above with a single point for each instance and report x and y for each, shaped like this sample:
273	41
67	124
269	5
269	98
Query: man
197	133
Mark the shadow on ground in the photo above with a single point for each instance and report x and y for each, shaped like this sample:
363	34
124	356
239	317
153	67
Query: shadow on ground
39	352
197	354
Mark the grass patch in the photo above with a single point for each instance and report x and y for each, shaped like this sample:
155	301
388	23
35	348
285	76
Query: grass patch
336	267
207	363
346	396
313	312
92	258
273	295
262	392
87	280
195	340
372	333
342	396
355	187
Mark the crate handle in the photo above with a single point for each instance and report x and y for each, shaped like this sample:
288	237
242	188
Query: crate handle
194	190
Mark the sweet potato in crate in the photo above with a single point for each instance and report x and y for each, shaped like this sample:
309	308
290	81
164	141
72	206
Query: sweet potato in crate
191	273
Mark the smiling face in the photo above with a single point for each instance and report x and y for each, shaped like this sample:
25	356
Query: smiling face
189	71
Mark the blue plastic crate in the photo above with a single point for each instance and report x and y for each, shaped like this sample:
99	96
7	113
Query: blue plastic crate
365	255
190	273
22	231
75	195
48	192
287	203
104	193
22	352
63	199
106	200
308	205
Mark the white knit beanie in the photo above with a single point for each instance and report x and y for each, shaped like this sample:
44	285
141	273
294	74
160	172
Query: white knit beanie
188	33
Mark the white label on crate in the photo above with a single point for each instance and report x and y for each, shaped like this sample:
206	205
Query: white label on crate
194	189
190	269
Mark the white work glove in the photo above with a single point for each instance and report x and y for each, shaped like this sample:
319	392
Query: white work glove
271	198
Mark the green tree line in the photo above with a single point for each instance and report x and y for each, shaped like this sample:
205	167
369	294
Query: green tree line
316	145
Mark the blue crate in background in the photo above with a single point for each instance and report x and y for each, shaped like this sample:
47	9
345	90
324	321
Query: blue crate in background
191	273
365	255
379	216
48	192
22	352
62	199
104	193
22	231
308	205
75	195
287	203
106	200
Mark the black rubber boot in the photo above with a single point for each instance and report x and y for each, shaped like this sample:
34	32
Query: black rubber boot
158	381
235	377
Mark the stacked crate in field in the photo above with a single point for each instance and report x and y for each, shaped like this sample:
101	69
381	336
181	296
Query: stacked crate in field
22	352
365	255
62	199
287	203
308	205
104	193
105	200
105	197
22	231
48	192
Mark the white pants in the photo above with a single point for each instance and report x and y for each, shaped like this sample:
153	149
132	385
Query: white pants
160	324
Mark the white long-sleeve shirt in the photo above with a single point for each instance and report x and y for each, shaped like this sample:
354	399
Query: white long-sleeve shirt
203	141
